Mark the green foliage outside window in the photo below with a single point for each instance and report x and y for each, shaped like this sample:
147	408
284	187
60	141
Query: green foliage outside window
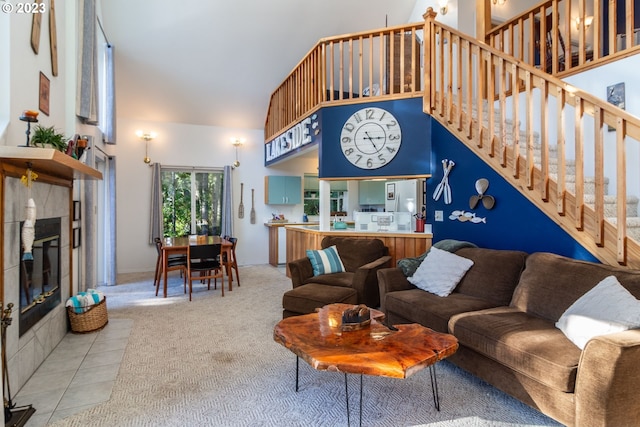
183	191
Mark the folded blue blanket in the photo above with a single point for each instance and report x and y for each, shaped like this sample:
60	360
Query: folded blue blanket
82	301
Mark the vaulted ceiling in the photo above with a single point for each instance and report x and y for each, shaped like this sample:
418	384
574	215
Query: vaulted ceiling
217	62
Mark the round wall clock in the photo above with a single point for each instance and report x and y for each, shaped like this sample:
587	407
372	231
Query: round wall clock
370	138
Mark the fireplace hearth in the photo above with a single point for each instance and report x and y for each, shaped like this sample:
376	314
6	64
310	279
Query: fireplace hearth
40	277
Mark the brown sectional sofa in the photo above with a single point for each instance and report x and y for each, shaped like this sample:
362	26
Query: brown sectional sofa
503	313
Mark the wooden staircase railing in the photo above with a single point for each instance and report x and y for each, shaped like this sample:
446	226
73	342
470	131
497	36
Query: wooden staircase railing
467	85
564	37
541	137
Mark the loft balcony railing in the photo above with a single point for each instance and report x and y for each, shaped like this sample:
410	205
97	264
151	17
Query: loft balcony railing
567	151
376	65
563	37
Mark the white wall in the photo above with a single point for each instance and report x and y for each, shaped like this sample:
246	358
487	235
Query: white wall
595	82
450	18
193	146
5	75
25	67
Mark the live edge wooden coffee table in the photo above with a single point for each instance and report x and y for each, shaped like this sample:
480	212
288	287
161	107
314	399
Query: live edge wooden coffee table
389	351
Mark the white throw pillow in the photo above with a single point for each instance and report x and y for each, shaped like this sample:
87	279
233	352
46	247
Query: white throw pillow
605	309
440	272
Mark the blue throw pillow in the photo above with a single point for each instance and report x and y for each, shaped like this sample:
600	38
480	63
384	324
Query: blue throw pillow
325	261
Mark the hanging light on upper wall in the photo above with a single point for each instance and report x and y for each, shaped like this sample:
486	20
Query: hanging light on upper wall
588	20
444	6
499	2
146	137
237	142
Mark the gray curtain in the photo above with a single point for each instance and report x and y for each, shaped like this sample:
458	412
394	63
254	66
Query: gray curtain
109	127
90	232
87	91
227	203
112	267
155	221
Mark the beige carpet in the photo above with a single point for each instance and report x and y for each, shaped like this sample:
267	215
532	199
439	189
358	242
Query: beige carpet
213	362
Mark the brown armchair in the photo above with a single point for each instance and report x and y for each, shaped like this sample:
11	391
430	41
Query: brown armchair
362	258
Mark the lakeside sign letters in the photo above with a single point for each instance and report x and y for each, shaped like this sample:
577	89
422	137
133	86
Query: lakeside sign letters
295	137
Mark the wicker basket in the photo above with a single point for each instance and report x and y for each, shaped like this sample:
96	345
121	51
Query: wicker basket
94	319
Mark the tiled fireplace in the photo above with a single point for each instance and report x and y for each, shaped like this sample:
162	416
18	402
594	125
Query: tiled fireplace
28	345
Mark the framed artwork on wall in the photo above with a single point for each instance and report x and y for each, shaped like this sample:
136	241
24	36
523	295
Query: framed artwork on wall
76	210
391	191
615	96
76	237
44	94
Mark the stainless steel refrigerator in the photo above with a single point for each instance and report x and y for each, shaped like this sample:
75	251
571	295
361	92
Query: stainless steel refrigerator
404	196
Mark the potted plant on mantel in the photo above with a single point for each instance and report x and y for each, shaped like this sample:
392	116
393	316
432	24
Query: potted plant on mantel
48	137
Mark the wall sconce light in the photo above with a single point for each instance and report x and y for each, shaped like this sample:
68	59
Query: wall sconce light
588	20
444	6
499	2
237	142
146	137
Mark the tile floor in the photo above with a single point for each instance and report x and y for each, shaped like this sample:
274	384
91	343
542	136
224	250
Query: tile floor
78	374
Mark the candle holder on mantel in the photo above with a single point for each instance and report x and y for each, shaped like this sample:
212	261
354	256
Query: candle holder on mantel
29	116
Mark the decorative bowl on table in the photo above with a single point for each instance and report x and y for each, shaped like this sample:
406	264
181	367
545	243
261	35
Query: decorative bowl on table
356	318
339	225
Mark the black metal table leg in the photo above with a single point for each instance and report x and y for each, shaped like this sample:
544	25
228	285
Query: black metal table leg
297	369
346	395
346	392
360	400
434	386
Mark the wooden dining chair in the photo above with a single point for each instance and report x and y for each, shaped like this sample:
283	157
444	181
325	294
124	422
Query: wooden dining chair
234	262
205	261
176	260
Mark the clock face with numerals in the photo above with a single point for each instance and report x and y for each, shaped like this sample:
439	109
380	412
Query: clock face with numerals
370	138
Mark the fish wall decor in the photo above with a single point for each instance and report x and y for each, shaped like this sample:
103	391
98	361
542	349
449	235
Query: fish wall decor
463	216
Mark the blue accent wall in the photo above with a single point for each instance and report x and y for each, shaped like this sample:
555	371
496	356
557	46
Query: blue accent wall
414	155
513	223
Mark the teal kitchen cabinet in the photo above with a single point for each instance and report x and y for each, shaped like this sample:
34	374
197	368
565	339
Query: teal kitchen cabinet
338	185
371	192
283	190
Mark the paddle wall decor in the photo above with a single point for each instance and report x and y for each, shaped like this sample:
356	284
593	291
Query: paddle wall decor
443	188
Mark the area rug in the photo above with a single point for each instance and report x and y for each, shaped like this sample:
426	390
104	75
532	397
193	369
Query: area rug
213	362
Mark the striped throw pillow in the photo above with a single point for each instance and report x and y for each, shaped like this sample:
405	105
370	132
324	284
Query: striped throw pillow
325	261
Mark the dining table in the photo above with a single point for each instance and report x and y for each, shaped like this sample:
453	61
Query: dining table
174	245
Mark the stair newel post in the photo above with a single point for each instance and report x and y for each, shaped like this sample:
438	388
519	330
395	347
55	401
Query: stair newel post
529	147
515	85
438	68
480	93
621	189
470	81
429	60
544	134
599	171
503	113
560	152
459	81
491	96
579	156
449	97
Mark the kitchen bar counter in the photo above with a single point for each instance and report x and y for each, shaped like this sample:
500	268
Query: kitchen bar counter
274	241
400	244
